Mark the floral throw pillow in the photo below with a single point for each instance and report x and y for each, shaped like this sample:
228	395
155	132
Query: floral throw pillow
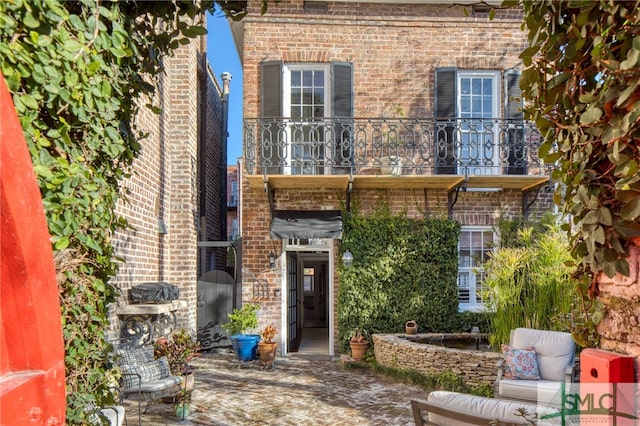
520	363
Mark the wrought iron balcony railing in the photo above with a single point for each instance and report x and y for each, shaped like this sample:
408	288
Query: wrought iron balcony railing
392	146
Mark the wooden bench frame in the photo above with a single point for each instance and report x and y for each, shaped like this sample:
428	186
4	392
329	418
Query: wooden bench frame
421	408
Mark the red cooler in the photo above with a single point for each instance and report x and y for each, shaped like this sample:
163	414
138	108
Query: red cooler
607	382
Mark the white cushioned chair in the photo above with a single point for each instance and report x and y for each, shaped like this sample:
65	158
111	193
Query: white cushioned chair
555	358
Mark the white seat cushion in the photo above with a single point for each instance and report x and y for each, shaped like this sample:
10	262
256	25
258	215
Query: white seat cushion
555	350
489	408
543	392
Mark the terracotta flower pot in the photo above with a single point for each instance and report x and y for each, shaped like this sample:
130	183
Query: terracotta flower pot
359	350
267	352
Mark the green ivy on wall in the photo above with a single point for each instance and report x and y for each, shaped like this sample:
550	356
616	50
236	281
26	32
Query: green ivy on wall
403	269
77	71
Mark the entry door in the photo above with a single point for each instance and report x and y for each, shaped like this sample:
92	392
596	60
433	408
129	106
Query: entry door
315	294
292	302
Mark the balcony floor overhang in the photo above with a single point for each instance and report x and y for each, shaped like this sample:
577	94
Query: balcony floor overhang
445	182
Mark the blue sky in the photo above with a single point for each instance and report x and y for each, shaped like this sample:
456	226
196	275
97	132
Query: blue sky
223	56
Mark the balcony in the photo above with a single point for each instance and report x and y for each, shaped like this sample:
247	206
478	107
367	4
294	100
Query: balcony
370	153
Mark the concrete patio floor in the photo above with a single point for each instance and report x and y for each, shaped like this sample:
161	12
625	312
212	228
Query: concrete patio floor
298	391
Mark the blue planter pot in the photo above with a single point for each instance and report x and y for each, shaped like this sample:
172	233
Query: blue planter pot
245	346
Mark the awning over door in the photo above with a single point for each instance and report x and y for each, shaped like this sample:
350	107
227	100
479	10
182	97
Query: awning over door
306	224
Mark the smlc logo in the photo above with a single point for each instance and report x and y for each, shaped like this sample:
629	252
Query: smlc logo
597	404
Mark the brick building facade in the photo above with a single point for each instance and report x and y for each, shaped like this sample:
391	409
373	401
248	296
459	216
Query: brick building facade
176	194
332	90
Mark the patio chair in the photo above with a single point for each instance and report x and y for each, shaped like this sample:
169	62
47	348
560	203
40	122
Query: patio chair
145	378
538	365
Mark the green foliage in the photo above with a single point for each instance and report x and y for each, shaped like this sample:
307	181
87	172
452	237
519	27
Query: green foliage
403	269
509	229
236	10
179	348
529	285
582	86
76	71
242	320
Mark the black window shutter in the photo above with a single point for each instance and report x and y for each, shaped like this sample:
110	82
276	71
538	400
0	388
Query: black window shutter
513	94
342	113
271	89
516	154
445	114
272	147
342	89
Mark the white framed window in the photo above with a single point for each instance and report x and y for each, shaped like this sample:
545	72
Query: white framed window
307	102
474	246
478	101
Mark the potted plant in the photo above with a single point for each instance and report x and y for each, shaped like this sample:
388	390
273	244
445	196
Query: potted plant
359	345
179	348
244	345
268	346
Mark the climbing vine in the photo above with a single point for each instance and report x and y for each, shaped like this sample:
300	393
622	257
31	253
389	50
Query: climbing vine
79	72
582	89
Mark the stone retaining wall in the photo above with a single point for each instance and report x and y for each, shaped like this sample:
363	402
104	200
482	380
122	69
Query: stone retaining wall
475	367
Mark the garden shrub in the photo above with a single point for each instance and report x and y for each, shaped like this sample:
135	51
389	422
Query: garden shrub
403	269
527	283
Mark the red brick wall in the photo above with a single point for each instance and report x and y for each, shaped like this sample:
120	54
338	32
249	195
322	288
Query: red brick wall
394	50
165	183
212	174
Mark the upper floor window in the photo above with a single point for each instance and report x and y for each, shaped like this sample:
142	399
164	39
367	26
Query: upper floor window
473	136
477	104
307	92
309	106
474	247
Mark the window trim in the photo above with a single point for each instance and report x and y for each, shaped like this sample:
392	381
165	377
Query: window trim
286	84
472	305
496	113
287	68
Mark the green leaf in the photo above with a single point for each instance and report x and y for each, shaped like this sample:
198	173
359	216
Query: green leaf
631	209
29	101
194	31
118	52
591	115
30	21
604	216
61	243
627	228
73	46
632	59
598	235
42	171
77	23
